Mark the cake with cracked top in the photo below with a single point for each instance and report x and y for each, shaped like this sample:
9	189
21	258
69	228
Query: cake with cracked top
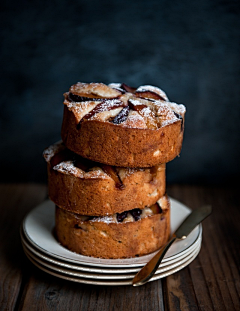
122	126
128	234
89	188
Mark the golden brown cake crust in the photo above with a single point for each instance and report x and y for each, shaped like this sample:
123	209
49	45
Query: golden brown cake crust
95	193
112	240
120	146
139	143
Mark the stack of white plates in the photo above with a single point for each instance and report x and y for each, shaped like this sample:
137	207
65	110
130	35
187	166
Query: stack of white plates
41	247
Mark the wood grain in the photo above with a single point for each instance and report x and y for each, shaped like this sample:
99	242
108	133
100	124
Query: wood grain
57	294
210	282
215	272
16	201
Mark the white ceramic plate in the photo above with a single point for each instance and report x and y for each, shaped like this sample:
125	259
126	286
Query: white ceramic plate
108	282
104	276
39	223
54	261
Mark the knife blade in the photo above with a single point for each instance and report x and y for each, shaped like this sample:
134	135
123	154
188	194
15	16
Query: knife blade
189	223
192	220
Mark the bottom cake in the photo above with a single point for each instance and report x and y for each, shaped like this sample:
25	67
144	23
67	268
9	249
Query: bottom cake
129	234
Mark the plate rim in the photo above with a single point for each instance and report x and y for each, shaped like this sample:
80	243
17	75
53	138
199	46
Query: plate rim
95	269
103	276
109	283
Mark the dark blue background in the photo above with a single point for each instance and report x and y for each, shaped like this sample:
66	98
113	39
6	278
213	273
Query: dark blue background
191	49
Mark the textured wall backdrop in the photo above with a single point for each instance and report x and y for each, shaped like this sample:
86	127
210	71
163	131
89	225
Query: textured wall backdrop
191	49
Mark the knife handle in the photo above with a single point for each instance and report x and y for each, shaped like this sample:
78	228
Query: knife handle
150	268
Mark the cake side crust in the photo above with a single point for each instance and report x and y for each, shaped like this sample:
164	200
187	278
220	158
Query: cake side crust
99	197
90	188
113	240
122	146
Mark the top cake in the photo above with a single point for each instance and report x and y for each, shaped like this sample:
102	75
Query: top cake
122	126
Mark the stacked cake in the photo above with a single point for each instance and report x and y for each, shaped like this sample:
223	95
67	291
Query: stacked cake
107	175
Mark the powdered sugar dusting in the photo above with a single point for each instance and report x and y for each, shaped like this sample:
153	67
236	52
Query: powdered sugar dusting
52	150
98	89
96	172
154	89
180	109
147	113
105	115
149	117
115	85
81	109
137	102
166	115
146	212
134	120
109	103
105	219
67	167
85	106
80	106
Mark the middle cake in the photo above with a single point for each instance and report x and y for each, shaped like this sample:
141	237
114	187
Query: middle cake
90	188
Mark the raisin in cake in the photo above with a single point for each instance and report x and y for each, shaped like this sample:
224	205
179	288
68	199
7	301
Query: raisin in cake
129	234
89	188
122	126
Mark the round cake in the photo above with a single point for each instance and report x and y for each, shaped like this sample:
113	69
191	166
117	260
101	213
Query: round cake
89	188
122	235
122	126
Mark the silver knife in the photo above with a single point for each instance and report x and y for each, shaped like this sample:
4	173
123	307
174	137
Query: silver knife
191	221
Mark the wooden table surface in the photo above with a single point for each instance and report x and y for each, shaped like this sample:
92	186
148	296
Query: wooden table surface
210	282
